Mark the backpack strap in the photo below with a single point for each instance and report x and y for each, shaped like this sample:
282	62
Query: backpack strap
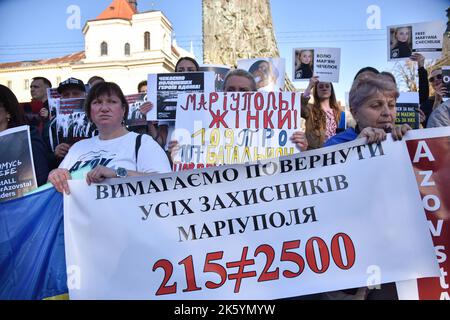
137	146
341	124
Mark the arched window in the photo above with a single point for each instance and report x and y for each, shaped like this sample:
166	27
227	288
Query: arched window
147	41
104	49
127	49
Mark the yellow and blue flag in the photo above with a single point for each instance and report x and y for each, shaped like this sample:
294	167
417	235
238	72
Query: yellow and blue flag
32	258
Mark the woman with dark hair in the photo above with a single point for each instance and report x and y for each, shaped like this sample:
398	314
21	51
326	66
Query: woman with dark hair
324	118
115	152
11	116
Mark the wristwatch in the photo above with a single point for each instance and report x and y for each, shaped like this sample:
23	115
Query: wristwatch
121	172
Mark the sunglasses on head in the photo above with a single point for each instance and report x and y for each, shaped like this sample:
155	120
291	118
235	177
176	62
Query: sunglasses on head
436	77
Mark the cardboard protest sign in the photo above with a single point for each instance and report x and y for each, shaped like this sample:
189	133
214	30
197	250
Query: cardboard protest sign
163	90
321	62
429	151
268	72
17	175
220	71
72	123
135	117
287	227
408	109
425	38
234	127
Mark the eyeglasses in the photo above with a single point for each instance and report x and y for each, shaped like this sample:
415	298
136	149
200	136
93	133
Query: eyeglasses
436	77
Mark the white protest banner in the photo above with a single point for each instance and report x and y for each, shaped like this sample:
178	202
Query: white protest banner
234	127
268	72
302	224
163	90
17	175
429	151
425	38
322	62
408	109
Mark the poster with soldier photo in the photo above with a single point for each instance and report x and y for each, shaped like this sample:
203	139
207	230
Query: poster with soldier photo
220	71
17	176
72	123
135	117
425	38
408	109
53	97
268	72
163	90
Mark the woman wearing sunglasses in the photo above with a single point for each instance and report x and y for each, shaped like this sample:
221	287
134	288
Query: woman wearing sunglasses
432	102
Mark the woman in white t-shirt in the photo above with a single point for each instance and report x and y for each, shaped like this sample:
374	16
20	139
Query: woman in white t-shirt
113	152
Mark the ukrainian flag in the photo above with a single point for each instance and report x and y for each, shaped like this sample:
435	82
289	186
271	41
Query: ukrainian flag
32	258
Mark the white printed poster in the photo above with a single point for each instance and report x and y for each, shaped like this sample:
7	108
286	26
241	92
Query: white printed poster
408	109
297	225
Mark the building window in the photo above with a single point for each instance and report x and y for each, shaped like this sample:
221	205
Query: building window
127	49
9	84
26	84
147	41
104	49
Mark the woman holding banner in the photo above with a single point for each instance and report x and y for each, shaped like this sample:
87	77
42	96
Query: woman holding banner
115	152
324	118
11	116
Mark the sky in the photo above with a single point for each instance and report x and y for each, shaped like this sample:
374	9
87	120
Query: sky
31	30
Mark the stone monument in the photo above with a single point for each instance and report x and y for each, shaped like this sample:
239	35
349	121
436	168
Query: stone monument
238	29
